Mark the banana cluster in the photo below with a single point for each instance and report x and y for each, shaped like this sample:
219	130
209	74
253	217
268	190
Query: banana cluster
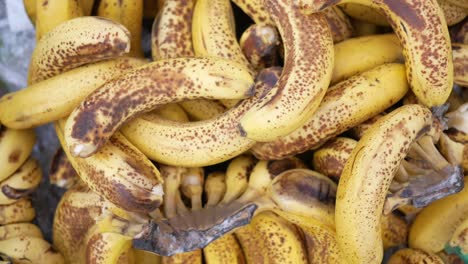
336	128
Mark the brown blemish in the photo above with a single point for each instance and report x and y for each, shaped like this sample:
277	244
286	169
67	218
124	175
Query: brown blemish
407	12
14	156
15	194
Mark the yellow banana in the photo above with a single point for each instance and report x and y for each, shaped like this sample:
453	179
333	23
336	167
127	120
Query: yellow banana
15	146
107	108
394	231
215	140
436	223
304	79
215	188
453	13
194	257
237	176
423	33
460	3
106	248
171	112
129	13
459	239
21	183
260	45
372	164
120	173
86	6
332	156
253	245
18	230
360	97
30	8
365	13
460	63
339	24
55	98
357	55
144	257
62	173
202	109
18	212
256	10
283	240
359	131
414	256
51	13
77	42
29	249
225	250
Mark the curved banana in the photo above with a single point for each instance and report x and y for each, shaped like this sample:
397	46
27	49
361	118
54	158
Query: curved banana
357	55
414	256
18	230
129	13
256	10
18	212
260	44
106	248
436	223
215	188
394	231
304	79
330	158
120	173
32	249
460	63
360	97
56	97
15	146
339	24
365	13
61	172
107	108
453	13
77	42
425	39
21	183
51	13
237	176
215	140
373	164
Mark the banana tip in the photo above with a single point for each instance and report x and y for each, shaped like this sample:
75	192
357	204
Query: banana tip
82	150
242	131
251	91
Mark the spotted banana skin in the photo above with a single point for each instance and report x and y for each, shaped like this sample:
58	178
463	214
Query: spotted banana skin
460	63
256	10
423	33
414	256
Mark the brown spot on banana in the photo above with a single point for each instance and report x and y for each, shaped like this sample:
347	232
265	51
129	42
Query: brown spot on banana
414	256
453	14
304	79
423	33
141	90
256	10
260	45
460	63
339	24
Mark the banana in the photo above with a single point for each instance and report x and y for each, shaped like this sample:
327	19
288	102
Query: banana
77	42
56	97
256	10
460	63
107	108
414	256
364	29
192	257
145	257
171	112
453	14
423	33
198	144
460	3
283	240
129	13
237	176
394	231
215	188
172	177
373	163
202	109
62	173
260	44
30	8
86	6
18	212
459	239
51	13
191	186
451	150
21	183
253	245
19	230
28	249
365	13
357	55
304	79
436	223
225	250
106	248
339	24
359	131
120	173
332	156
15	146
360	97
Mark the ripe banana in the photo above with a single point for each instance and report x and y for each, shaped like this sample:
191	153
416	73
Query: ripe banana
62	173
120	173
237	176
253	245
107	108
256	10
423	33
171	112
30	8
202	109
436	223
225	250
365	13
460	63
373	164
77	42
215	140
51	13
172	177
15	146
394	231
360	97
145	257
304	79
453	13
129	13
414	256
21	183
29	249
260	44
18	212
357	55
460	3
362	28
330	159
56	97
19	230
339	24
459	240
359	131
